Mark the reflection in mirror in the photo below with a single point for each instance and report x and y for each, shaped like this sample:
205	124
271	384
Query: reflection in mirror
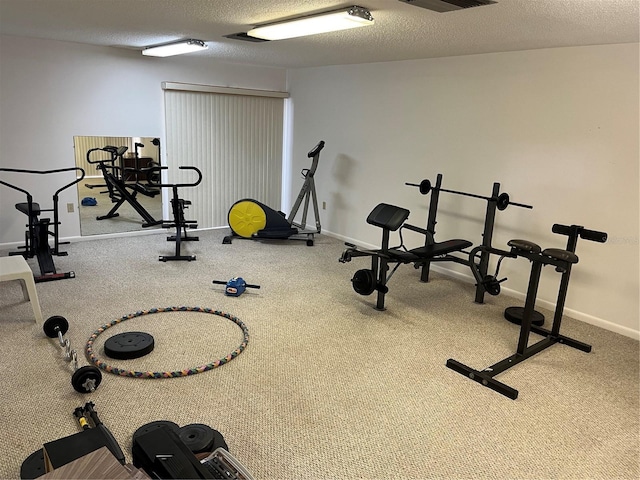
115	196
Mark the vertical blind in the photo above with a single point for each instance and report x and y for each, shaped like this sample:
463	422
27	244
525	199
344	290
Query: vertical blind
234	139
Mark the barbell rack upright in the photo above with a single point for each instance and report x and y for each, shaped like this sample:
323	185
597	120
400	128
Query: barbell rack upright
487	234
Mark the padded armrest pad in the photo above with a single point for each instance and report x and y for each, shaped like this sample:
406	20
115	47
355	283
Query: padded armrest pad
560	254
524	246
388	216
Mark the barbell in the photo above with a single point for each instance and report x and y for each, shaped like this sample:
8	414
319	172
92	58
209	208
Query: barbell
502	200
84	379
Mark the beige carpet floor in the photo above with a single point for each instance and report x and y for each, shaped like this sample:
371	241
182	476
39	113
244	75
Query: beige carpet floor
327	387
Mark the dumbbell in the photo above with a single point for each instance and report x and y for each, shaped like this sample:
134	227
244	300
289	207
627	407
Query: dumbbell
84	379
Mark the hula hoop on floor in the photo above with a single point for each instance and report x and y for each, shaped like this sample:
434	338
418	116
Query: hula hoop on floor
93	358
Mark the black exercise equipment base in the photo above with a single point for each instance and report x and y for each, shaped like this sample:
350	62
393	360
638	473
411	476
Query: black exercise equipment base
53	276
179	239
308	237
485	377
516	314
562	260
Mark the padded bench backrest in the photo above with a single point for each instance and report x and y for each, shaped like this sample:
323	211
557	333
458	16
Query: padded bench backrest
388	216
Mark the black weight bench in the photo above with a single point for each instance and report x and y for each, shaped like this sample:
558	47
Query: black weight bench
391	218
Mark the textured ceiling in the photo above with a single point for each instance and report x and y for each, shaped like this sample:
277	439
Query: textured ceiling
401	31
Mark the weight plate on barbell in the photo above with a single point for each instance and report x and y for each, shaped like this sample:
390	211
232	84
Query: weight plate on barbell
86	379
364	282
503	201
128	345
53	324
425	186
491	285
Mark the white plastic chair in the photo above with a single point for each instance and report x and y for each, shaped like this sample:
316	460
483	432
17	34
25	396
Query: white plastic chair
16	268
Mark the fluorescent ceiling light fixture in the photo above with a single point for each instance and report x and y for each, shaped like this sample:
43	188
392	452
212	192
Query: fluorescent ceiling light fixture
350	17
177	48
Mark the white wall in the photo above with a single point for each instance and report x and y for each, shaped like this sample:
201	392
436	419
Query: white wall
557	128
52	91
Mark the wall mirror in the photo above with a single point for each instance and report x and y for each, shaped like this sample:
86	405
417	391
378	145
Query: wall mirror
112	197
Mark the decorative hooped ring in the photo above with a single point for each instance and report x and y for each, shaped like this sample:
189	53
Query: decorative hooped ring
93	358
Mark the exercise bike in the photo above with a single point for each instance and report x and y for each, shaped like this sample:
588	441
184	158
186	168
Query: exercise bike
38	229
249	218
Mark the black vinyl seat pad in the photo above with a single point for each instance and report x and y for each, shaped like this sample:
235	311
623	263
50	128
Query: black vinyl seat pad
429	251
24	208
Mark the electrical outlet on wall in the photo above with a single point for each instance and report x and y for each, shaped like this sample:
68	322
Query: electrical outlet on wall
324	205
70	207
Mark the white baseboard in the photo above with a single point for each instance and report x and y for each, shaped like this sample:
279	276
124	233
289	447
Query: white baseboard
578	315
137	233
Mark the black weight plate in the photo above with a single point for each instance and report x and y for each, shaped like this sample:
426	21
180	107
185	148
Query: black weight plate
425	186
33	466
364	282
128	345
86	379
491	285
218	441
149	427
53	324
516	314
503	201
198	437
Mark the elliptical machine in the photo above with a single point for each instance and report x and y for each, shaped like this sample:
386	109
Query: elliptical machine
249	218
